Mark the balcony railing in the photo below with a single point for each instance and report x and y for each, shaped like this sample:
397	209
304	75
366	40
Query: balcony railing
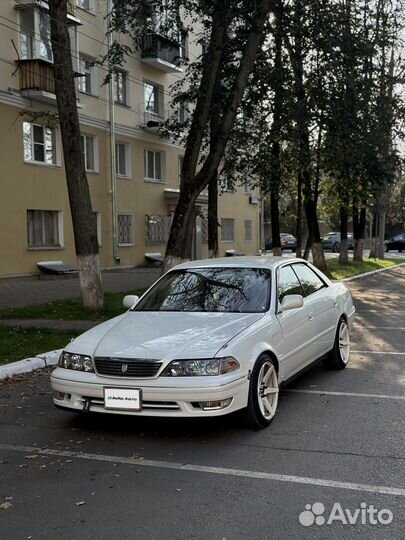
162	53
37	74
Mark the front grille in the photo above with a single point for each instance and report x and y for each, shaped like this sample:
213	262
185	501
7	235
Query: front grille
126	367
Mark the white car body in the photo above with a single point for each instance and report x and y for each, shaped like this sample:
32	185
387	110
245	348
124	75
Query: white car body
294	338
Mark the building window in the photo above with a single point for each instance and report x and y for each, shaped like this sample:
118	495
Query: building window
227	230
227	186
88	5
248	230
39	143
183	113
43	228
157	229
154	165
35	35
125	224
98	223
247	188
86	80
90	154
204	229
120	87
122	159
153	95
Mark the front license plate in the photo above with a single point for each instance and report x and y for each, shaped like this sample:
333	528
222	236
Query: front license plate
122	398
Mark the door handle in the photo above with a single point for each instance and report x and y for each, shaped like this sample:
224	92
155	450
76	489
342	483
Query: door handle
310	316
335	304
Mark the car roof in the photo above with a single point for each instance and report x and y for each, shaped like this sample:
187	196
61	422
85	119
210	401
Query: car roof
266	261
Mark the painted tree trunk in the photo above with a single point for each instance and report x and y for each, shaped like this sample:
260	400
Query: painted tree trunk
83	217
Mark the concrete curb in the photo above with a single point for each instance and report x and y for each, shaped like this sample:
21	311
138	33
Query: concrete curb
30	364
373	272
51	358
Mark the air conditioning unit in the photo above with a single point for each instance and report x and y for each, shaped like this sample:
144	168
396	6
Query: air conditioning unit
253	199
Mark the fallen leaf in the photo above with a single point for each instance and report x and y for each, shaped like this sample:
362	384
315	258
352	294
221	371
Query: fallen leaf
5	506
31	456
80	503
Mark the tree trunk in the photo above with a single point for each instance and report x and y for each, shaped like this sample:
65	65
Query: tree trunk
343	252
193	183
359	227
83	217
298	219
213	247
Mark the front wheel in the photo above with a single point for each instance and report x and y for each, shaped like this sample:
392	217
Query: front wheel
263	394
336	247
339	356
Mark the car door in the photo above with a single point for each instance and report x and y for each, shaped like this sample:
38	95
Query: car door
296	347
321	307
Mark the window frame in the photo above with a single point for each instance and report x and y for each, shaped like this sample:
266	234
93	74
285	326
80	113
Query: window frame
58	223
132	240
154	179
124	74
127	159
250	229
324	284
32	143
229	241
83	59
95	151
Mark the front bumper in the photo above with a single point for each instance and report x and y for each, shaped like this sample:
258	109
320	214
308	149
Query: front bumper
171	398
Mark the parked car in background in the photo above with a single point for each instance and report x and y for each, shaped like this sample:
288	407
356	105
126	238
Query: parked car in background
209	338
395	243
288	241
332	241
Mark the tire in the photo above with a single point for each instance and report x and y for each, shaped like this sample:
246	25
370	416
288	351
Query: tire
339	356
261	409
336	247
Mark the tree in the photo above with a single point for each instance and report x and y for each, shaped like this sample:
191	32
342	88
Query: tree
83	217
234	28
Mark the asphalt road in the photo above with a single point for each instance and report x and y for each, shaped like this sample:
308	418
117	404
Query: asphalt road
337	440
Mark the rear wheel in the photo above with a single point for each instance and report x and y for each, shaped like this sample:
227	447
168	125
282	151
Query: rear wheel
336	247
339	356
263	394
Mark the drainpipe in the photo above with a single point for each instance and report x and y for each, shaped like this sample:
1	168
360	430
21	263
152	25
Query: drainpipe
116	257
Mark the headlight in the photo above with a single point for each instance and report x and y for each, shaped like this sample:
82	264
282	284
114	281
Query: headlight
200	368
78	362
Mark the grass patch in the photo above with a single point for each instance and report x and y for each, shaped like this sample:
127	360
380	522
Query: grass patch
70	310
354	268
20	343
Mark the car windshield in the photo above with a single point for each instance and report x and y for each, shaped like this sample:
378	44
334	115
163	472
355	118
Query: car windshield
231	290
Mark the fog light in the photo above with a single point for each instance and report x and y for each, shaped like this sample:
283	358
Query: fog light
60	396
215	405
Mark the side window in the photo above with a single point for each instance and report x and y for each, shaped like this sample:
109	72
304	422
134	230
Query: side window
309	280
288	283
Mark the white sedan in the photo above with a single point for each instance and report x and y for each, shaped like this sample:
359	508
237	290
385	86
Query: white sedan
209	338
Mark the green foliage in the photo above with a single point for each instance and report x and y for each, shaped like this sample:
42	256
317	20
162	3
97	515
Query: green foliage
20	343
70	310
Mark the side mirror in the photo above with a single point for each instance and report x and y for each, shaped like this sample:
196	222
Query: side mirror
130	301
291	301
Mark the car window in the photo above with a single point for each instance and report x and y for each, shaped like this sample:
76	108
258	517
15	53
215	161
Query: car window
288	283
232	290
310	281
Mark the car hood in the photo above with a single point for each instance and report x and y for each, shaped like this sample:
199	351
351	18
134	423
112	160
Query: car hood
163	335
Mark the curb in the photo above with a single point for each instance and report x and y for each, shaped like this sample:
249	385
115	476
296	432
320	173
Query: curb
373	272
27	365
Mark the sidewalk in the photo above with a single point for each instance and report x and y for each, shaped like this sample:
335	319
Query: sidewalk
22	292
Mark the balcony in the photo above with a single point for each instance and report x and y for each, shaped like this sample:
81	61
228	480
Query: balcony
37	80
162	53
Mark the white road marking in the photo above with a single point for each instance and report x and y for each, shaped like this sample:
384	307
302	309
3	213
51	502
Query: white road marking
379	352
385	490
377	311
350	394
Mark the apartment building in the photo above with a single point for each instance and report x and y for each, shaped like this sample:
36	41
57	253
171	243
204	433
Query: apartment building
133	172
